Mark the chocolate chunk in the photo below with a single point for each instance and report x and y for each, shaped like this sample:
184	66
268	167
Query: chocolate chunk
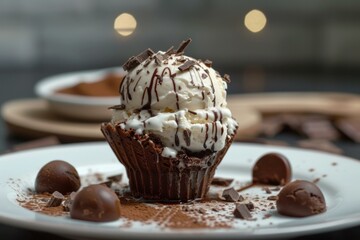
183	45
241	211
224	182
226	78
158	58
138	71
57	176
55	200
96	203
250	206
350	128
115	178
230	195
272	198
322	145
117	107
208	63
300	199
273	169
203	76
187	65
134	61
107	183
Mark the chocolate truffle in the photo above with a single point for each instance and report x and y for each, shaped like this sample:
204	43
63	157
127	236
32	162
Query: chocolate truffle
273	169
300	199
58	176
96	203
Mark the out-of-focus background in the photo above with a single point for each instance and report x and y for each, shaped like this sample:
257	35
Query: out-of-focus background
265	46
308	40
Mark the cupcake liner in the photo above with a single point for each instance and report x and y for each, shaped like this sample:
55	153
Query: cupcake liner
154	177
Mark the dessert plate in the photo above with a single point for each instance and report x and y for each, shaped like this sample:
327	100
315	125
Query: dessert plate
334	175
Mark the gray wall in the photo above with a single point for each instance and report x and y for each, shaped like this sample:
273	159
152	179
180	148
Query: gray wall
78	34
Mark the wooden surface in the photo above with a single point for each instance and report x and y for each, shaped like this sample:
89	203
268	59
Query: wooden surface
30	118
337	104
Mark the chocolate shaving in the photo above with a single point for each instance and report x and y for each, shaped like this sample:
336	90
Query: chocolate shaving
55	200
204	76
241	198
138	71
115	178
158	59
183	45
187	65
226	78
117	107
267	190
208	63
230	195
223	182
241	211
134	61
192	112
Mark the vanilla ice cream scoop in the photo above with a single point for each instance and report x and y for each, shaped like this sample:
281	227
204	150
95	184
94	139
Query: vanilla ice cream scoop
177	98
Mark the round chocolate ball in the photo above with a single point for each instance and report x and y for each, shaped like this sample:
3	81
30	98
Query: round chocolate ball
96	203
58	176
273	169
300	199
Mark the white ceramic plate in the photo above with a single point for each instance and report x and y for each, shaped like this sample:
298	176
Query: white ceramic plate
77	107
337	185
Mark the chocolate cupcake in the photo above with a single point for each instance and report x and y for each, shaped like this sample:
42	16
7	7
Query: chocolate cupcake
172	127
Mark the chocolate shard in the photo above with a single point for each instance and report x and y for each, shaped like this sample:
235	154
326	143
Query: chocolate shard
117	107
208	63
183	45
241	211
241	198
187	65
230	195
170	51
134	61
223	182
55	200
68	202
203	76
115	178
267	190
226	78
158	58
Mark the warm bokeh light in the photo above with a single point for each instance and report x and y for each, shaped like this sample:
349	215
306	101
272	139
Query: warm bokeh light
125	24
255	20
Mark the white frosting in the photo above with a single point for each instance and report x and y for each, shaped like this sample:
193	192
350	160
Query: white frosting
185	109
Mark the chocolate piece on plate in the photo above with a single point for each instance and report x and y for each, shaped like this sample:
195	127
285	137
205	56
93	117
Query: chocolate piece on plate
230	195
55	200
242	211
